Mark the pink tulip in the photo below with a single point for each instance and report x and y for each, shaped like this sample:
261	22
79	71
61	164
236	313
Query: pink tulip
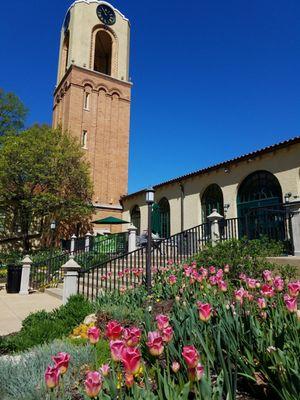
226	268
93	384
243	277
52	377
267	275
61	362
261	302
132	336
291	303
162	321
223	286
155	344
104	369
278	284
204	272
191	356
205	311
219	274
175	366
267	291
251	283
167	334
196	374
212	270
131	359
172	279
114	330
93	335
213	280
116	348
294	288
240	294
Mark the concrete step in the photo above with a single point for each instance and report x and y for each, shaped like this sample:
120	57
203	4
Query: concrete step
55	292
288	260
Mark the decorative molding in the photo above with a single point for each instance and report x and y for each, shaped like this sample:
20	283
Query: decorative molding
108	206
98	2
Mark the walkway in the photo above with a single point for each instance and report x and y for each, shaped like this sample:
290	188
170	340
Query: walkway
14	308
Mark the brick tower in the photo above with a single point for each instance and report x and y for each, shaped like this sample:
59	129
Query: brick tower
92	96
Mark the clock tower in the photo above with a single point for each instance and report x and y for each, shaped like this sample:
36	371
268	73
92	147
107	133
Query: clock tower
93	93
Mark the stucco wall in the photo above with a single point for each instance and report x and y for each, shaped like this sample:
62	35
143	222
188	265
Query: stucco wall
283	163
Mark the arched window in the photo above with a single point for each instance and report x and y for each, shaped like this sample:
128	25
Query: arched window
259	204
136	218
161	218
259	189
212	198
65	54
86	104
103	52
84	139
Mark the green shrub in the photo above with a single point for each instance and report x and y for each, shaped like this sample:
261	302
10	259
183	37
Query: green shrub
248	256
21	377
43	327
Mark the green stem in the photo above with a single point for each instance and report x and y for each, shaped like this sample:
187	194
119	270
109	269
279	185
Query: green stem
95	350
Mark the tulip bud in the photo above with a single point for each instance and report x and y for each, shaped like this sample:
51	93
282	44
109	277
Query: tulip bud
52	377
175	367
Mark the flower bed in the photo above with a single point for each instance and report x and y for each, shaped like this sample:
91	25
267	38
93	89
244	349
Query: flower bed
219	338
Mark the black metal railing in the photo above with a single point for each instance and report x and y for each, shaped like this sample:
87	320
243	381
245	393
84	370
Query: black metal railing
229	228
117	273
48	272
128	270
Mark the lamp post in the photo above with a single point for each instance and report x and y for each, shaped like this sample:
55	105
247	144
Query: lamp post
149	201
52	227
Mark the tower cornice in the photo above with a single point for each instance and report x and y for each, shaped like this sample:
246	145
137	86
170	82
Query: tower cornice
98	2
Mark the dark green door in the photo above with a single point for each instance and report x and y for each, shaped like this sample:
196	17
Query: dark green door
259	207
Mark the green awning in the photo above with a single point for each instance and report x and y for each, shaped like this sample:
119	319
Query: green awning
110	221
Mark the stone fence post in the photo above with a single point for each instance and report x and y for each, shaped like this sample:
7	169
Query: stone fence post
72	248
87	242
132	238
71	271
294	209
214	219
24	288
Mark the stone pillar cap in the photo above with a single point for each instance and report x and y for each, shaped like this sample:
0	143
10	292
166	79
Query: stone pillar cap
26	260
74	237
71	265
215	216
88	234
132	228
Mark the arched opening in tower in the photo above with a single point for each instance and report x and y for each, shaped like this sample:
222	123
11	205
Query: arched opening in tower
103	53
65	54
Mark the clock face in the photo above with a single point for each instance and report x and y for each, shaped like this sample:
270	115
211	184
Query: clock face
67	21
106	14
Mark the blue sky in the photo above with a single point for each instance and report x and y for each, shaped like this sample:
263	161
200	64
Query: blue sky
213	79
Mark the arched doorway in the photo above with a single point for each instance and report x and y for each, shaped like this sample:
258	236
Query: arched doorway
259	206
161	221
103	52
212	198
136	218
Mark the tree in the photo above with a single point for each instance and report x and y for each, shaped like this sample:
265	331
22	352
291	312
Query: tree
12	113
43	177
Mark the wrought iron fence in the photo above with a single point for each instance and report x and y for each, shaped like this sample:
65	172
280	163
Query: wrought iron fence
272	222
48	272
129	270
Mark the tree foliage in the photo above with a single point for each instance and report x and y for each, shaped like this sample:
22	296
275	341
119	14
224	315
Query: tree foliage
43	177
12	113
